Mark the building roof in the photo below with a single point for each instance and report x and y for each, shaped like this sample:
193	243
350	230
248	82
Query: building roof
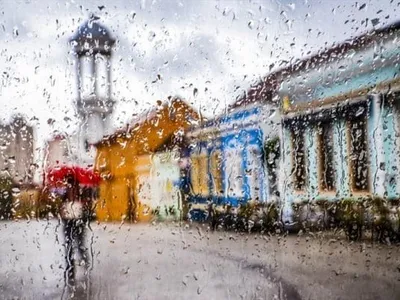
92	36
260	91
337	51
138	128
263	89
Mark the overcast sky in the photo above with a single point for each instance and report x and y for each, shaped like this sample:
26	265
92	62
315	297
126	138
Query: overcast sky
217	47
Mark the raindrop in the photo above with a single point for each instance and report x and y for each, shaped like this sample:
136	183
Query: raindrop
15	191
132	16
15	31
375	21
195	92
250	24
360	111
226	12
152	35
272	114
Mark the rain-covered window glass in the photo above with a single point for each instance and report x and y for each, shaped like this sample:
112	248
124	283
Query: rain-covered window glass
326	156
359	169
299	158
200	149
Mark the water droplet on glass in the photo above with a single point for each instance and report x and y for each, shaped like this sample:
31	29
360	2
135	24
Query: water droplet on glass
15	31
152	35
132	16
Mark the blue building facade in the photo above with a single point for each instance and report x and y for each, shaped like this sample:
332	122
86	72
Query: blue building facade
227	161
341	122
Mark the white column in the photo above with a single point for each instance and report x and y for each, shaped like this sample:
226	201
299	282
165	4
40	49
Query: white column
377	153
108	59
78	77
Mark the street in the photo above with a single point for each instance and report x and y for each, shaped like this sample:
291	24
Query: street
165	261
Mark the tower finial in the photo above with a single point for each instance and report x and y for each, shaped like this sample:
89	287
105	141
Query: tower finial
93	17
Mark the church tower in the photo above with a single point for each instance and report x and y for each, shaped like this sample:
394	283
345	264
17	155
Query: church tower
92	47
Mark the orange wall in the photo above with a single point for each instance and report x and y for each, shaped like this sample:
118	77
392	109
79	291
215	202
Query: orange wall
122	154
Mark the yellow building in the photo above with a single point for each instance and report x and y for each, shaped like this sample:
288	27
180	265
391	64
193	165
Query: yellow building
125	160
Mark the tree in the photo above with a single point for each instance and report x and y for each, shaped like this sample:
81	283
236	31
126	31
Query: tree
5	198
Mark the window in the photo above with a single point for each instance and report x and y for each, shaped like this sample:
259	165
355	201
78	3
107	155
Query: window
234	173
216	172
359	172
87	76
101	75
65	152
326	164
253	172
298	159
199	174
272	156
87	145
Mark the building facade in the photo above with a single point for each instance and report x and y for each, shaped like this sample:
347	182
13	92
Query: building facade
133	162
17	151
91	47
228	161
340	122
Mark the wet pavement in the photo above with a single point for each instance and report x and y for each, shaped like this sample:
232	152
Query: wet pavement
165	261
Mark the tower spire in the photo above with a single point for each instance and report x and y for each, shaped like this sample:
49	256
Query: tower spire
92	47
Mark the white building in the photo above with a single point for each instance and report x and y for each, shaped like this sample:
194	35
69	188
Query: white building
17	151
92	48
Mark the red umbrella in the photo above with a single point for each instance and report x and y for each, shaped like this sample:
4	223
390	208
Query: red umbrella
85	176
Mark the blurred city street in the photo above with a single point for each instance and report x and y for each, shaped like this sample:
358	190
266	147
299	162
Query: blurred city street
263	116
165	261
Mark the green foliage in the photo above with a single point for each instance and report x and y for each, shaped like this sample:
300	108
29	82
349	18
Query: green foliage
246	210
5	198
249	216
167	212
272	149
48	205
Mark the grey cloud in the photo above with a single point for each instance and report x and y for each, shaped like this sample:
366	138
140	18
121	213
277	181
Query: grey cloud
285	25
194	55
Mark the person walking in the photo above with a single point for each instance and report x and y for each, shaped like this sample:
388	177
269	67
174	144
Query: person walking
75	218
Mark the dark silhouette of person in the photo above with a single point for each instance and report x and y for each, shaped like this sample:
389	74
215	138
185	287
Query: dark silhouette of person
75	218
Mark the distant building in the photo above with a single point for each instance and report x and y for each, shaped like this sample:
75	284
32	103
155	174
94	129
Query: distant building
341	122
140	164
57	151
17	151
228	160
92	48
